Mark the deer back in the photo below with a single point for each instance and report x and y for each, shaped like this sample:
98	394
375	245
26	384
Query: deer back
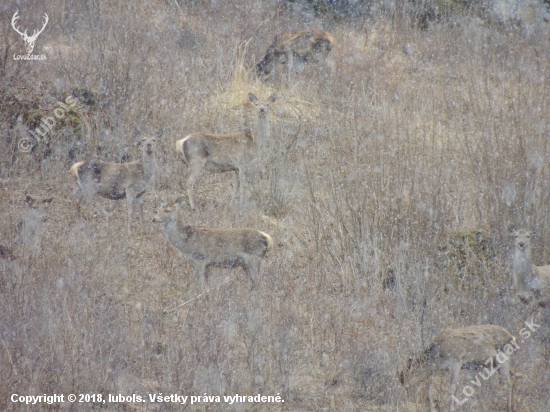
472	344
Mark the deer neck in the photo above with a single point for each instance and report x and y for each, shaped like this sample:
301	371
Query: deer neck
523	268
261	132
173	230
149	164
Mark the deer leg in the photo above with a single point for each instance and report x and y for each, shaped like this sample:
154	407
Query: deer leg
236	185
455	376
139	203
253	268
242	179
201	274
505	372
195	170
88	190
130	198
86	202
289	62
109	210
79	203
428	388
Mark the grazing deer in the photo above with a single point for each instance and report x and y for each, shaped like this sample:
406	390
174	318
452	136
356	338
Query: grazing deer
29	40
473	347
230	152
295	49
530	282
207	246
118	181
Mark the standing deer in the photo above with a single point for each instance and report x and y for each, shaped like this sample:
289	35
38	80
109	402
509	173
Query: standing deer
26	233
24	240
207	246
295	49
231	152
530	282
36	214
471	347
29	40
118	181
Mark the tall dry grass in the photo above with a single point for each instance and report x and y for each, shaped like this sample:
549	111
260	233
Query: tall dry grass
408	157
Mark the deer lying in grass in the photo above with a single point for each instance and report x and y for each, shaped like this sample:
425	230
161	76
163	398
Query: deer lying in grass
118	181
472	347
207	246
295	49
531	283
230	152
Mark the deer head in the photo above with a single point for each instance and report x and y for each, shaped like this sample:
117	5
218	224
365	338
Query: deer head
29	40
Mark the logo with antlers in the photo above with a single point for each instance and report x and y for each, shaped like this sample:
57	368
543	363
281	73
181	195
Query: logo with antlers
29	40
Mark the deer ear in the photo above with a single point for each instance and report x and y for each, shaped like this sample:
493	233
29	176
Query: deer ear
138	136
534	230
272	98
29	200
48	201
159	134
511	229
252	98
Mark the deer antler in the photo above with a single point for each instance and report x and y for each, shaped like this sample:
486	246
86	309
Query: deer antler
13	20
29	40
35	33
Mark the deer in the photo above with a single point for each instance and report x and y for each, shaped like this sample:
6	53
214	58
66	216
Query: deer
295	49
117	181
486	347
219	247
231	152
29	40
531	283
26	232
35	215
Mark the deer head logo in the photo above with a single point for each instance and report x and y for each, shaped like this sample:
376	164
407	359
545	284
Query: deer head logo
29	40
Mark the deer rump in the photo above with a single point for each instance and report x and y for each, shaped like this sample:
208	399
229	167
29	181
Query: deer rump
112	187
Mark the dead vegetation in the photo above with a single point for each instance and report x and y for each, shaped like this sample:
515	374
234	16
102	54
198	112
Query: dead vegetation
383	171
471	347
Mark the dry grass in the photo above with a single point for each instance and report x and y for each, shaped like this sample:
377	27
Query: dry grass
409	144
